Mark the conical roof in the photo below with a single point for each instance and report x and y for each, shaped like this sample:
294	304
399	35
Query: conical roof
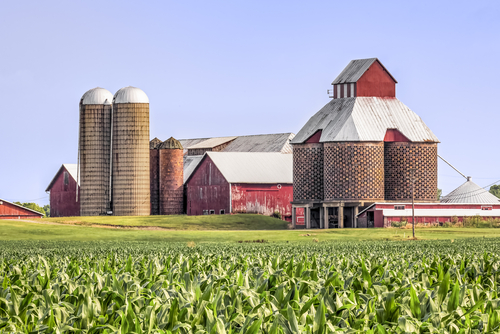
154	144
470	193
171	143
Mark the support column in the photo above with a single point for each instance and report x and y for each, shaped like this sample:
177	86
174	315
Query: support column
325	218
321	217
308	217
294	217
355	218
341	217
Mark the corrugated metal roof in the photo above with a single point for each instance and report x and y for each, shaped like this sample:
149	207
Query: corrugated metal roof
469	192
72	170
355	70
211	142
254	167
22	207
275	142
97	95
190	163
365	119
130	95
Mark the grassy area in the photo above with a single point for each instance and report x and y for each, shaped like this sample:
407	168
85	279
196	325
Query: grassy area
20	230
181	222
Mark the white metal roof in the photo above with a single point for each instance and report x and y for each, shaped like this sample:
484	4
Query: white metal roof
469	192
441	213
211	142
365	119
130	95
97	95
190	163
355	70
254	167
20	206
274	142
72	170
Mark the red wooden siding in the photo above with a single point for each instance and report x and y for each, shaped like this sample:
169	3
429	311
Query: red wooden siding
63	197
11	211
376	82
393	135
264	199
315	137
207	189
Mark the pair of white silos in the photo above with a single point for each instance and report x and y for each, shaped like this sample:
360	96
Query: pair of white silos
113	152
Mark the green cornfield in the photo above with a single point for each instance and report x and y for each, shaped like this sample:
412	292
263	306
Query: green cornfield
326	287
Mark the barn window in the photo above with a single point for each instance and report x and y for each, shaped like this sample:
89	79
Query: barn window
201	193
399	207
486	208
222	211
212	212
66	178
205	212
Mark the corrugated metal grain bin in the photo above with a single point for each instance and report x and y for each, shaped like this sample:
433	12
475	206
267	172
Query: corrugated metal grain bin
94	151
130	153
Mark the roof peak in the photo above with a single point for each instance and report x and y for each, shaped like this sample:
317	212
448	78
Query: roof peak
355	70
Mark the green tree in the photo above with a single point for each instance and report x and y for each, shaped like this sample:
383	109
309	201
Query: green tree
440	192
495	190
32	206
46	208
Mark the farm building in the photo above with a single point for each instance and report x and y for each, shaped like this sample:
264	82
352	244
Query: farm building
192	152
241	182
10	210
361	148
195	148
62	188
468	200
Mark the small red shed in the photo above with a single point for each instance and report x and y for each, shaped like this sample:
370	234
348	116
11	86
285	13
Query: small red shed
241	182
62	188
10	210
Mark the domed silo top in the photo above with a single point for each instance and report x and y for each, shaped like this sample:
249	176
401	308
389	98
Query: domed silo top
154	144
171	143
97	95
130	95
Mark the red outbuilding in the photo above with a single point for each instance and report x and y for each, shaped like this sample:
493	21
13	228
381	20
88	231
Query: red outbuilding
63	188
241	182
468	200
10	210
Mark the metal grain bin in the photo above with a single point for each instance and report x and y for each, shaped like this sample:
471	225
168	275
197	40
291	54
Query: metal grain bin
130	153
94	151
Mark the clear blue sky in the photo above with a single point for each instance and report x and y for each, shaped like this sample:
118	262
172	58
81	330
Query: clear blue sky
221	68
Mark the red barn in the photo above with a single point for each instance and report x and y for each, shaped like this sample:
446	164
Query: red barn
62	188
10	210
241	182
468	200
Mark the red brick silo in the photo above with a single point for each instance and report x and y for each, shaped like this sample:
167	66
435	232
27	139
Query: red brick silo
400	158
354	171
154	174
171	177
